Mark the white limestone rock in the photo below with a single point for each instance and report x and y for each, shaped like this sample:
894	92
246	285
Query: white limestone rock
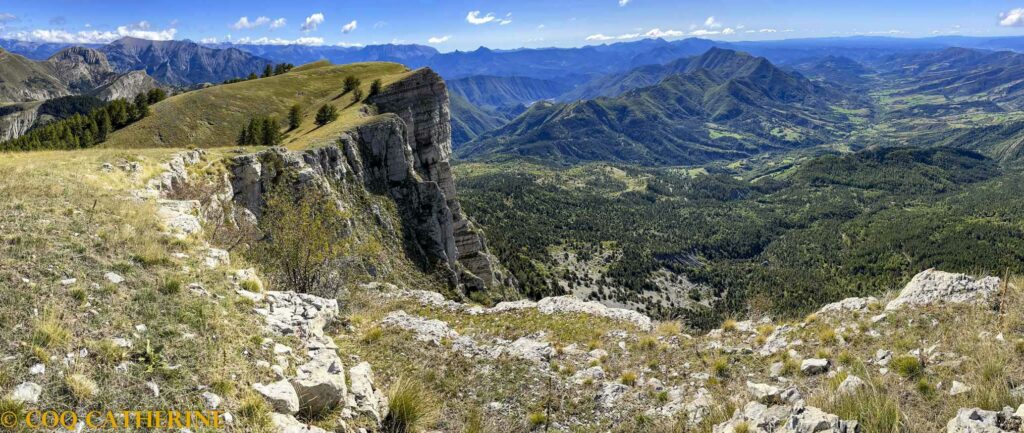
932	286
281	396
812	366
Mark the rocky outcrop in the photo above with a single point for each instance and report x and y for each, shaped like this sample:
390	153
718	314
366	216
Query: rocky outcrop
932	286
986	421
421	102
81	69
759	418
126	86
20	118
404	152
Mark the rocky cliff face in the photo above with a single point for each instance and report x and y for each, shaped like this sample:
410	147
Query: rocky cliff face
81	69
18	121
126	86
403	152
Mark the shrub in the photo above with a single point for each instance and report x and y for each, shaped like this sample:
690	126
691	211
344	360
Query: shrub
254	409
372	335
729	325
251	286
81	387
410	408
537	419
628	378
741	427
305	236
49	331
873	409
720	367
170	286
827	336
647	343
907	366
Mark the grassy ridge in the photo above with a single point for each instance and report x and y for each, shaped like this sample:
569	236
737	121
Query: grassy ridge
213	117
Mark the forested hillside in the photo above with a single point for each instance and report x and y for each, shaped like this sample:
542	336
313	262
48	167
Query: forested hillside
827	228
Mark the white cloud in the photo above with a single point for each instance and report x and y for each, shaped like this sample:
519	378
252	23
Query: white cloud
312	22
711	23
7	17
540	27
244	23
279	41
767	31
278	23
473	17
439	39
1013	18
658	33
623	3
653	33
728	31
348	28
704	32
141	30
350	44
208	41
507	20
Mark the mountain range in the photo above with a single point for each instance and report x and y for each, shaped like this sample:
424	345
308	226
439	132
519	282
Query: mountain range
722	104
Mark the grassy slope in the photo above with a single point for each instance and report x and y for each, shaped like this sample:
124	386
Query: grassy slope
910	403
65	218
213	116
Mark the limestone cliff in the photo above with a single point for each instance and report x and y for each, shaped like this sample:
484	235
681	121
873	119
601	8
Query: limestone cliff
403	152
19	118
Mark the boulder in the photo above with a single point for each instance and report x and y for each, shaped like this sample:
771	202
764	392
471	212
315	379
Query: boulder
848	304
932	286
958	388
812	366
592	374
320	383
365	398
288	424
610	393
764	393
27	392
280	395
984	421
759	418
851	385
211	401
531	350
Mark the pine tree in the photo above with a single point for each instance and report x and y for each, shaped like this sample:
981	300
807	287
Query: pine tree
252	76
375	87
271	134
294	117
326	114
268	71
156	95
351	83
357	95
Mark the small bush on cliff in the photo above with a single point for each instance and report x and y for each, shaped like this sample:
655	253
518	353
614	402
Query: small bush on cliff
305	236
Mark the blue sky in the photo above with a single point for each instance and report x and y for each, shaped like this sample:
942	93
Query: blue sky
464	24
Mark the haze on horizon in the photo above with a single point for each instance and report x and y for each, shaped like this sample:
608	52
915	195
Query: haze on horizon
466	25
